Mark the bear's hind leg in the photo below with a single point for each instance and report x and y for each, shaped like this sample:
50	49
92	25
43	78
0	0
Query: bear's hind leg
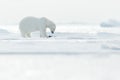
23	35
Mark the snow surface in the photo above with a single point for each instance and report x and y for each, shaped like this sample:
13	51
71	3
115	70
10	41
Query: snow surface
111	23
67	39
60	67
75	52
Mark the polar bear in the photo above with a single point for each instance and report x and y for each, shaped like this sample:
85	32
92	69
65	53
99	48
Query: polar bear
31	24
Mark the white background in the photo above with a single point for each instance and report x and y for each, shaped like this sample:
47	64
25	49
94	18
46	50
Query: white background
90	11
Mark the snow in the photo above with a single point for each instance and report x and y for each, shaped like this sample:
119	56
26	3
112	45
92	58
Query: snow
75	52
60	67
110	23
67	39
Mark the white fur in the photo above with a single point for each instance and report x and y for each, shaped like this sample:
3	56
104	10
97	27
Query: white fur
31	24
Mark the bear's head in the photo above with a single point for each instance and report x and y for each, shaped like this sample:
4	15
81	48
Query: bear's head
49	24
52	28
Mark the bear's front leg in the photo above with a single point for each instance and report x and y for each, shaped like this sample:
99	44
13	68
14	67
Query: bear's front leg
43	33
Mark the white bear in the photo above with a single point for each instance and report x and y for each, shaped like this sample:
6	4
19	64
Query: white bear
31	24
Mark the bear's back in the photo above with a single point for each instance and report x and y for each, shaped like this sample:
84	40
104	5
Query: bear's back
29	21
30	24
